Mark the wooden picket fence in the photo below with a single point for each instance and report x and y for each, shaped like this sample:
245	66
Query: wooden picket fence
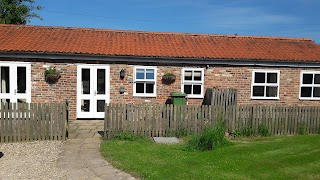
168	120
35	121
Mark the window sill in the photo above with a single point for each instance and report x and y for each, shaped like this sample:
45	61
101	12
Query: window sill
194	97
144	95
264	98
309	99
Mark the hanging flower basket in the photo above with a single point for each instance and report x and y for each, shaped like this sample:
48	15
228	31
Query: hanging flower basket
52	75
168	78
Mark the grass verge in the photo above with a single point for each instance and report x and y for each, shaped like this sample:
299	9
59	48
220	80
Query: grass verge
285	157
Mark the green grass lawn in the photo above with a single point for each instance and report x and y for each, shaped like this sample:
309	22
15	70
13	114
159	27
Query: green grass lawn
292	157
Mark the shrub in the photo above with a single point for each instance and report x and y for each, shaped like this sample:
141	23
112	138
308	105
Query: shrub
263	130
181	132
126	136
209	138
244	132
302	129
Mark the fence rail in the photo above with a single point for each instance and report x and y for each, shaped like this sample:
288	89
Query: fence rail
28	122
166	120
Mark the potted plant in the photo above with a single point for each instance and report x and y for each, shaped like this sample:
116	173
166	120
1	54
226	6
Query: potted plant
52	75
168	78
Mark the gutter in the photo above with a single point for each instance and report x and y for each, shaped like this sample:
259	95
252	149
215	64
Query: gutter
159	60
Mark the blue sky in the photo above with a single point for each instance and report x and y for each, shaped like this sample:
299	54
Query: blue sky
288	18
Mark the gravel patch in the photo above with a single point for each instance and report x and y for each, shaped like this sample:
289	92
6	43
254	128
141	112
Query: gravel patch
30	160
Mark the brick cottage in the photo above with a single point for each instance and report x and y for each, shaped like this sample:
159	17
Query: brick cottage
99	66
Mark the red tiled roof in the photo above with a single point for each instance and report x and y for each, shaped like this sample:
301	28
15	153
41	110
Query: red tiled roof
39	39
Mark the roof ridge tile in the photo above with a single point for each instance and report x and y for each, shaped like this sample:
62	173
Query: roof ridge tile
155	33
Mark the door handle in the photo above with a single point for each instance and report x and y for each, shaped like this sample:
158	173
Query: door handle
95	93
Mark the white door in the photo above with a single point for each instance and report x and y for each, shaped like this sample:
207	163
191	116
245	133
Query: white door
15	82
93	90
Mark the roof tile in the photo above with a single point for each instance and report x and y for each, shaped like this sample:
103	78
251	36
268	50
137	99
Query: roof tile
39	39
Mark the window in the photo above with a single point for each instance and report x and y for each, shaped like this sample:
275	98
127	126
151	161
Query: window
265	84
192	82
310	85
145	81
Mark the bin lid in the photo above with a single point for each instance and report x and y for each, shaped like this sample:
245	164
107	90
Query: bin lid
178	94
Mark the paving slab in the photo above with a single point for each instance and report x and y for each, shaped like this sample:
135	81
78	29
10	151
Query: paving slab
80	157
166	140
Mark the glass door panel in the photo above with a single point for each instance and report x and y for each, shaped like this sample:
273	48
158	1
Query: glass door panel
5	82
85	81
21	79
101	81
85	105
100	105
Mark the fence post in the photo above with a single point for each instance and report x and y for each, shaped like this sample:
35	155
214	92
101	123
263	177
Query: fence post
106	118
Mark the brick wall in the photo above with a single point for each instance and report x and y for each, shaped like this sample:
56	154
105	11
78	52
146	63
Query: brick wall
215	76
64	89
222	77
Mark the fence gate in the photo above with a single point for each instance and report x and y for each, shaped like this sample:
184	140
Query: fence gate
220	97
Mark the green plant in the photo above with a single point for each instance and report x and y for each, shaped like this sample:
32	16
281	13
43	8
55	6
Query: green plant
319	130
302	129
168	78
244	132
51	70
209	138
126	136
168	75
180	132
263	130
52	75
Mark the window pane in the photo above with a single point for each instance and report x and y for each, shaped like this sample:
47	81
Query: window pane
85	81
197	89
101	82
139	73
85	105
188	75
307	78
259	77
149	88
187	89
150	74
100	105
316	92
258	91
139	87
317	79
4	84
197	75
272	77
272	91
21	80
306	91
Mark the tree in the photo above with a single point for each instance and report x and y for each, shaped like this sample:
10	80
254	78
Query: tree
18	11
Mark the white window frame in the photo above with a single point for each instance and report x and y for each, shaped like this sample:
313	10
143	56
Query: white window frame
154	94
265	84
192	82
308	85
